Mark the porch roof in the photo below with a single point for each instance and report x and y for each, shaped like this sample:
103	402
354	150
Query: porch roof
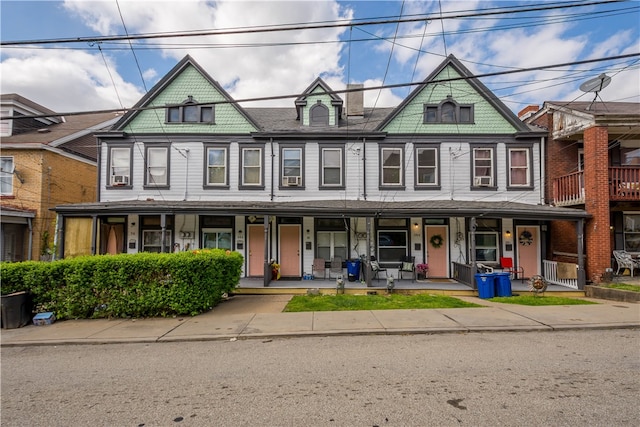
330	208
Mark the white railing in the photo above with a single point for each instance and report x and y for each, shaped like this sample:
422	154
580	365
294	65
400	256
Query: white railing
551	275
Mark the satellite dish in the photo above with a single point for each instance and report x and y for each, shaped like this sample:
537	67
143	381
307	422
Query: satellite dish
596	84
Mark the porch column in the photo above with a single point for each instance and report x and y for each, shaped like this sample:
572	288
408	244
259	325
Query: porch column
267	265
94	231
472	244
367	264
596	188
163	225
582	275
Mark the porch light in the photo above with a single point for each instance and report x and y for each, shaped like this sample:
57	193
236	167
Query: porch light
507	233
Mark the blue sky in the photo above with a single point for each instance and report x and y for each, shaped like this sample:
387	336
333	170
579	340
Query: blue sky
86	76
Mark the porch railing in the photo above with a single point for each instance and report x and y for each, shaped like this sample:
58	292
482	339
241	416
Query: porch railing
624	184
551	275
464	273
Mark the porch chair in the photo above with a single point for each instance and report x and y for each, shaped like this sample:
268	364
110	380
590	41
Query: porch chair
408	265
336	267
319	268
506	264
625	260
376	269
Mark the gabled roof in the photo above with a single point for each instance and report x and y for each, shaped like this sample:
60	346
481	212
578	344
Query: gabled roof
185	62
481	89
325	88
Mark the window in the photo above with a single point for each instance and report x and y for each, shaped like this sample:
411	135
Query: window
392	166
486	246
216	173
448	111
426	166
5	125
291	167
632	233
119	166
519	170
251	167
392	245
157	166
151	227
630	156
331	170
483	166
6	176
216	238
319	115
190	112
331	238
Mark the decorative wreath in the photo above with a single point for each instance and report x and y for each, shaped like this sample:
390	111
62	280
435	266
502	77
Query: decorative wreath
436	240
526	238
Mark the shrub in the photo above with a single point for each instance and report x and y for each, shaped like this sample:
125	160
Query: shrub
126	285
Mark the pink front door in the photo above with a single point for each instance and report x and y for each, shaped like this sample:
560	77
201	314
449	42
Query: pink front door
437	257
528	250
256	250
289	250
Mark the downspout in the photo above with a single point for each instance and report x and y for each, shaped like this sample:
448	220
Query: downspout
543	183
364	171
472	248
99	169
94	230
58	241
271	196
30	225
582	276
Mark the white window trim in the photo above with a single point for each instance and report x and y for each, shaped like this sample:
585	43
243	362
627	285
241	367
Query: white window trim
434	167
526	167
491	176
399	167
150	180
258	166
7	176
340	166
224	166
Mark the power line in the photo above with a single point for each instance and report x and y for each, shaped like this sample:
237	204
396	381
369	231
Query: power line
296	27
389	86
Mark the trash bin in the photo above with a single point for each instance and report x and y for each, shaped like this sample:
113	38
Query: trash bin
486	284
353	270
503	284
15	309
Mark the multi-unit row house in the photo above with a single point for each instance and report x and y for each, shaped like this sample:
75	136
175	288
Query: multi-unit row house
593	163
46	159
450	177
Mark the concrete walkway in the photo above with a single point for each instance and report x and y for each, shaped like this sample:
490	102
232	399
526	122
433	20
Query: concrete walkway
261	316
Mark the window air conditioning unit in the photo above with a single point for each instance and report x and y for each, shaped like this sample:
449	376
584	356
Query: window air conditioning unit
482	181
119	180
291	181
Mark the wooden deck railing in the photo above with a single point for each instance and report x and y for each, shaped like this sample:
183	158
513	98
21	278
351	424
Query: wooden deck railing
624	185
464	273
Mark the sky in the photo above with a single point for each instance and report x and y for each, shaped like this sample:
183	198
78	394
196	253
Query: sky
89	75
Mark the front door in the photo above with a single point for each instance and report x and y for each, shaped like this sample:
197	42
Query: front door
437	254
256	250
290	250
528	251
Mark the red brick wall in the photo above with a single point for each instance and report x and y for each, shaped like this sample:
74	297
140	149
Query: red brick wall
596	180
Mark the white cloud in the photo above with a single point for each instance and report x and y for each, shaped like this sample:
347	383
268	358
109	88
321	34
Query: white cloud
65	80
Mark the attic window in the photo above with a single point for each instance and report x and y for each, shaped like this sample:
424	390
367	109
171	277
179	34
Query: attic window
190	112
448	111
319	115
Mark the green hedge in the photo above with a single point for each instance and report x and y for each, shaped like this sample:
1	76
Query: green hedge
134	285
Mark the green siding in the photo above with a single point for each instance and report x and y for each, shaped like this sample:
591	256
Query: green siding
487	120
312	99
190	82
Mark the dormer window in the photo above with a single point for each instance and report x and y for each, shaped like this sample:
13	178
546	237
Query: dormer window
448	111
319	115
190	112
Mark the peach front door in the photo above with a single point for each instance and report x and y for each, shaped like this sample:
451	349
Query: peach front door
437	258
256	250
528	241
290	250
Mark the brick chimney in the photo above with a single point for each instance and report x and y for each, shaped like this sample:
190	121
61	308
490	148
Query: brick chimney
527	112
355	100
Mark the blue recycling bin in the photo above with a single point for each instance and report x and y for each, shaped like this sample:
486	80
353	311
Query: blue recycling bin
486	285
503	284
353	270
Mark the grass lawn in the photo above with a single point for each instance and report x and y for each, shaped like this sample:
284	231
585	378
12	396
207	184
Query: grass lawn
622	286
372	302
540	300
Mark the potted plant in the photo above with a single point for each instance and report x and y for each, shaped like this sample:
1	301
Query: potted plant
422	270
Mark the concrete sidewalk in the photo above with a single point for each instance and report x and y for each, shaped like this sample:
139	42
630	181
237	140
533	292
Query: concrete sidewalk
261	316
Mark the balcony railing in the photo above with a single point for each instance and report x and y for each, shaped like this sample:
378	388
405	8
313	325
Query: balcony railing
624	185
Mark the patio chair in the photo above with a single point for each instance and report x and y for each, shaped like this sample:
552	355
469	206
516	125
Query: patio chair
376	269
625	260
408	265
506	264
319	268
336	267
